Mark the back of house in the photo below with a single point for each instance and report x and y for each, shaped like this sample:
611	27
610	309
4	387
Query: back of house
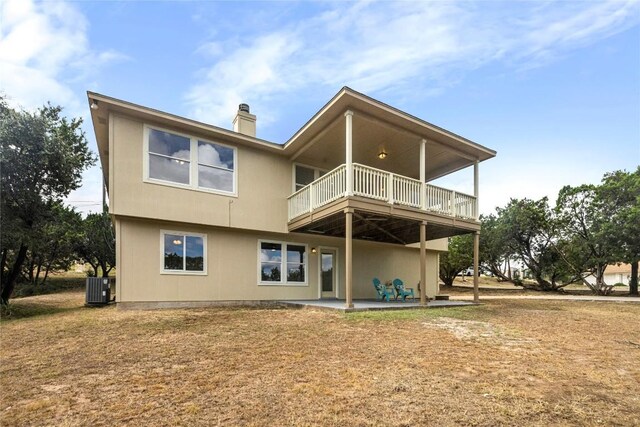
209	215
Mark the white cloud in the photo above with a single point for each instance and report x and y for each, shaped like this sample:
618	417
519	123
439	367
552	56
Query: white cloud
44	54
373	46
44	49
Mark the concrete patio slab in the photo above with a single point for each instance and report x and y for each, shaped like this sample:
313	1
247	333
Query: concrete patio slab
370	305
552	297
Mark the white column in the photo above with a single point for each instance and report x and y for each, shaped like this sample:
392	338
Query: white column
423	263
476	186
349	150
423	173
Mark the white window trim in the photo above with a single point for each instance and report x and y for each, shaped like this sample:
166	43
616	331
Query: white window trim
316	173
183	272
283	262
193	163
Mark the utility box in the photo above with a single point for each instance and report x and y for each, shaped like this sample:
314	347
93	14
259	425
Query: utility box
98	291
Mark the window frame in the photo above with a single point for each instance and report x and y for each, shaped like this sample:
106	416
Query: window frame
184	271
316	174
194	163
283	264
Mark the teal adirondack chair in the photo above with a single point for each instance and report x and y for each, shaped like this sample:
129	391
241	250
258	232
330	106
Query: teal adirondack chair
401	291
383	292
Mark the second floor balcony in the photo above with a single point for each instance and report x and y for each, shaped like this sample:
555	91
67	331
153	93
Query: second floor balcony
380	185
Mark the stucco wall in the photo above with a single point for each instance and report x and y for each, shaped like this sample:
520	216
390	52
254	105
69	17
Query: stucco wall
264	182
232	265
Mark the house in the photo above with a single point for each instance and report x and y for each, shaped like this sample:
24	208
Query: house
613	274
208	215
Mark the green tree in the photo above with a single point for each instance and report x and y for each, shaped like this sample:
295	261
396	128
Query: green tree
583	225
42	157
531	231
457	259
619	194
54	248
495	251
97	243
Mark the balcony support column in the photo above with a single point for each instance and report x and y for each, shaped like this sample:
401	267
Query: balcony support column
423	173
348	213
423	263
476	266
476	186
349	150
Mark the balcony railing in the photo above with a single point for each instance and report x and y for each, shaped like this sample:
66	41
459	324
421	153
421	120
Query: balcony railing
381	185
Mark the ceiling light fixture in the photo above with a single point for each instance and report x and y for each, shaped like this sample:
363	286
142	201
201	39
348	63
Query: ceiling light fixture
382	154
94	104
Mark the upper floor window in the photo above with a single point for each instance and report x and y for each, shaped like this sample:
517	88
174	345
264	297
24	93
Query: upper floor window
305	175
172	159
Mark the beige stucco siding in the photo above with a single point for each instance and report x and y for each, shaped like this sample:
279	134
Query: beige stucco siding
232	265
264	182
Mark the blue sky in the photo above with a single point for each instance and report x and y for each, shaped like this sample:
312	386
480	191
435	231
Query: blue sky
554	87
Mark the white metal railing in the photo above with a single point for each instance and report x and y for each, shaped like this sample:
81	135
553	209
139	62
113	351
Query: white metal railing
407	191
370	182
299	202
465	206
377	184
438	199
331	186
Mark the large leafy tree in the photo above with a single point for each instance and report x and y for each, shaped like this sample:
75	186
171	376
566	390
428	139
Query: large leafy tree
531	232
585	246
495	251
54	247
619	195
97	245
42	157
457	259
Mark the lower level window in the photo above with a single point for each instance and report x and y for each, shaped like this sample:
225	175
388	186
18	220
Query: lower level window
283	263
183	252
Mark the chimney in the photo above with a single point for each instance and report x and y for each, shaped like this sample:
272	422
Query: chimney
245	122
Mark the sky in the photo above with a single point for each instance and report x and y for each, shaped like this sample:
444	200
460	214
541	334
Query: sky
553	87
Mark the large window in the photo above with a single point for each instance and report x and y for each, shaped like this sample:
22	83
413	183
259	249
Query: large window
176	159
282	263
183	252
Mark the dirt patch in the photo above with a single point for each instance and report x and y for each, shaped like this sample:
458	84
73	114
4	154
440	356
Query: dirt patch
473	330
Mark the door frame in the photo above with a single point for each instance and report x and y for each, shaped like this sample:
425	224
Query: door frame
336	282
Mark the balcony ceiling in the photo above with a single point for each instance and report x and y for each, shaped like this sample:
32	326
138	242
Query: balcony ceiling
370	137
377	127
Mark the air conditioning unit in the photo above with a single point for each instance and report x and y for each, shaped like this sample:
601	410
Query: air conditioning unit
98	291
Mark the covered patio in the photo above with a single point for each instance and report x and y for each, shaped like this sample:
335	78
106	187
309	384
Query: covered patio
372	305
369	172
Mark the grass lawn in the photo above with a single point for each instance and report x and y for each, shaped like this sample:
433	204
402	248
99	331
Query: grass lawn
503	363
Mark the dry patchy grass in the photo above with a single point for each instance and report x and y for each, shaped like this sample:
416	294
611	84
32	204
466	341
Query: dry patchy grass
504	363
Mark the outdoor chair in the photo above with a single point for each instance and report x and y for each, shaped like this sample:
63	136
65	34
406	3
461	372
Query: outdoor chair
382	290
401	291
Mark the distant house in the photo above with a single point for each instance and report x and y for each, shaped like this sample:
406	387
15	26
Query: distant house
204	214
615	273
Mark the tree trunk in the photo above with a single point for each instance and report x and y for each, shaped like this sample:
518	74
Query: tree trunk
633	283
10	282
3	263
105	271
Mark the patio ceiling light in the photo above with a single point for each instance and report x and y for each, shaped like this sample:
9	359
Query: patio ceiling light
382	154
94	104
